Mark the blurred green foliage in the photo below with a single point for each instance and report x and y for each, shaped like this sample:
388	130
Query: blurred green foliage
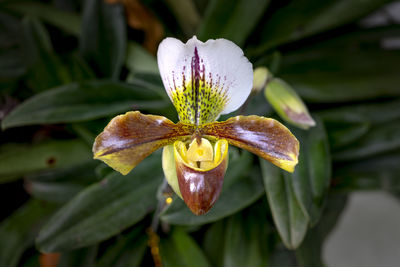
67	67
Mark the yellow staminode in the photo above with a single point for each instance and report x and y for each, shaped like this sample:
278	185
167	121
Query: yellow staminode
200	151
201	156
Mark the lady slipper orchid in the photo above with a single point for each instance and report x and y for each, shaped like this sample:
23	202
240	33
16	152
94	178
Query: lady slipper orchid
203	80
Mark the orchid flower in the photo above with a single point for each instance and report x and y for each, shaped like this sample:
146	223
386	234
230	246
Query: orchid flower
203	80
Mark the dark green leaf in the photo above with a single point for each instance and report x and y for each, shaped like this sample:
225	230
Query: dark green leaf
139	59
342	134
181	250
66	21
127	251
214	242
246	239
310	251
241	188
372	113
338	76
380	139
362	38
186	14
103	39
302	18
83	257
59	186
103	209
19	230
77	68
225	19
290	220
11	57
20	159
40	58
375	173
83	101
312	175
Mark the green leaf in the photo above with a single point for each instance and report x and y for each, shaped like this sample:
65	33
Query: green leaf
67	21
83	257
310	251
290	220
19	159
302	18
83	101
186	14
40	58
343	134
127	251
224	19
374	113
375	173
59	186
12	63
312	175
139	59
19	230
103	39
360	37
246	239
380	139
103	209
242	187
341	76
181	250
214	242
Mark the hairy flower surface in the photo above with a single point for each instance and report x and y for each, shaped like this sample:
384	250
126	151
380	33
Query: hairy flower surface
203	81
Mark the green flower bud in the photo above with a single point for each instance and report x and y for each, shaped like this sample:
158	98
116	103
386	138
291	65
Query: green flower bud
288	104
261	76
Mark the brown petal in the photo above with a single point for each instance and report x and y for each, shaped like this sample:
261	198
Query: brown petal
264	137
200	189
131	137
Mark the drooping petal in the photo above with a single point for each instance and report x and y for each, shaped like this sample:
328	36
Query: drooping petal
204	80
200	185
264	137
131	137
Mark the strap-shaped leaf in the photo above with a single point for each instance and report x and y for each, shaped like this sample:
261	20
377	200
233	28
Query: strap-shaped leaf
103	38
131	137
18	231
290	220
312	177
180	249
225	19
246	238
75	102
103	209
264	137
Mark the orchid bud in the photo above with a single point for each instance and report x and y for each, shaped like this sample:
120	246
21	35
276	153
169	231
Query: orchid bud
288	104
261	76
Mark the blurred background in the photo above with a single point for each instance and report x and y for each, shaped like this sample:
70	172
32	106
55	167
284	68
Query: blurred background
68	66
